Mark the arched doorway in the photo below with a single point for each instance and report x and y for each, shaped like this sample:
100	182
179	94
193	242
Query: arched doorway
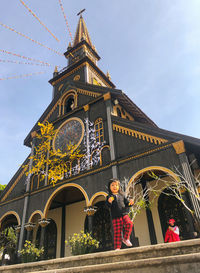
66	207
171	207
147	184
102	226
9	236
50	239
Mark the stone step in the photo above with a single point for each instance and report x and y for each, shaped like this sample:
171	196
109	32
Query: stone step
110	257
172	264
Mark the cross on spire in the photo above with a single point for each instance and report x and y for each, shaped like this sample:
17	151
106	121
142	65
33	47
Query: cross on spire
80	13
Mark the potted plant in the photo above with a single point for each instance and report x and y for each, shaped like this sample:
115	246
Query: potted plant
30	253
82	243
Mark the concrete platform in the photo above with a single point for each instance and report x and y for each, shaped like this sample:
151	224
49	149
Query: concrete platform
179	257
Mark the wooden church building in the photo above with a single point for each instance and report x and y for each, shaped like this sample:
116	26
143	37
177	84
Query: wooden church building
132	145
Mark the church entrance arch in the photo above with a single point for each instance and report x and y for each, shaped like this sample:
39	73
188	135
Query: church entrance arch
66	208
101	222
9	219
145	182
170	207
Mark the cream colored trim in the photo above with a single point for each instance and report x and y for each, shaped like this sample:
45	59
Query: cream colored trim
88	93
107	96
140	135
11	212
34	213
114	112
98	75
13	185
86	107
100	193
179	147
153	168
69	73
58	190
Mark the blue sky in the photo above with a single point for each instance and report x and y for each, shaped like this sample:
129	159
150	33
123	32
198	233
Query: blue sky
151	49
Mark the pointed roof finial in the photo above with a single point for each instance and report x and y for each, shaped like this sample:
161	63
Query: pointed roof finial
69	46
81	31
108	75
56	69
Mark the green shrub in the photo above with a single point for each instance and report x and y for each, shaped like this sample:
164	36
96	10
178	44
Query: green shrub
82	243
30	253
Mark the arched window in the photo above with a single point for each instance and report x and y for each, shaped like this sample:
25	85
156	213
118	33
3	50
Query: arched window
69	104
99	131
119	114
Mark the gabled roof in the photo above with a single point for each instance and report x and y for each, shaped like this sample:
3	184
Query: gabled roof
115	93
156	131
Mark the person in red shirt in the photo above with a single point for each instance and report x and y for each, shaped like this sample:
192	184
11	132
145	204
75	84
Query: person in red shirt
172	233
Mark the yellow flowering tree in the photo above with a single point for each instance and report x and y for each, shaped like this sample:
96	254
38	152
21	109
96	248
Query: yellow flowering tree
46	161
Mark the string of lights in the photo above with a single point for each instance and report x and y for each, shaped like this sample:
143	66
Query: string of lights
66	20
25	36
16	62
22	75
35	16
24	57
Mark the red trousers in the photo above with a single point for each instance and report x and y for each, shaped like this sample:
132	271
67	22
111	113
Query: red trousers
118	224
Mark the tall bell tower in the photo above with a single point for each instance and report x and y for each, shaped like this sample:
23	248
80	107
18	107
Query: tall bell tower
82	61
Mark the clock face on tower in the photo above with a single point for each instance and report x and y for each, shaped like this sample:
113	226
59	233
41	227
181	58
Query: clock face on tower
71	132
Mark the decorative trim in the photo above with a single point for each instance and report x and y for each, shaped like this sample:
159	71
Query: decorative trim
48	203
124	115
86	107
51	112
78	48
152	168
69	73
90	211
99	76
107	96
59	88
88	93
145	153
63	99
76	78
11	212
29	226
179	147
14	184
100	193
44	222
137	134
34	213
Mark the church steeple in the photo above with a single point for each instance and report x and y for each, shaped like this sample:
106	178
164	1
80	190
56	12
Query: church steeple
82	61
82	33
82	45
